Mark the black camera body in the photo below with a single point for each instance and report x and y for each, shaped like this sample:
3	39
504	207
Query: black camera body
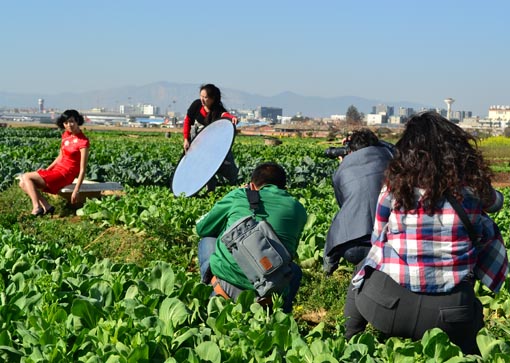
335	152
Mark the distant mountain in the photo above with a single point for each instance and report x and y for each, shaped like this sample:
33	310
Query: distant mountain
178	96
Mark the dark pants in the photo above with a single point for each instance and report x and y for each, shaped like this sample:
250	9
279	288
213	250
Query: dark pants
396	311
228	170
356	253
353	251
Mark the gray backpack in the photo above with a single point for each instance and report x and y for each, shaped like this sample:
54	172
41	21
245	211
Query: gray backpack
259	252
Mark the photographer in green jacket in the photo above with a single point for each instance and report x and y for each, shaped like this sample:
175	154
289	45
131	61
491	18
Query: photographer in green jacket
286	215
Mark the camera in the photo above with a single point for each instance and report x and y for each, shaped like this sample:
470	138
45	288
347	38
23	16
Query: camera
334	152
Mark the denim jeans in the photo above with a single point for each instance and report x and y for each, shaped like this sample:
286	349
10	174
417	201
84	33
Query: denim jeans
206	248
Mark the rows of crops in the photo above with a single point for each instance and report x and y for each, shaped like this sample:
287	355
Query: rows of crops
61	301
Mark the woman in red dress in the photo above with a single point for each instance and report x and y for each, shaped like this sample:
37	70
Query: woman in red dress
71	163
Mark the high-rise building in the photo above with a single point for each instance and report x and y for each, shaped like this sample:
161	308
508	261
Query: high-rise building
40	102
271	113
458	115
376	119
442	111
499	112
139	109
381	108
405	111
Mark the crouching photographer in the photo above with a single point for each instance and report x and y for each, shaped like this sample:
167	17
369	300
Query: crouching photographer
357	183
231	255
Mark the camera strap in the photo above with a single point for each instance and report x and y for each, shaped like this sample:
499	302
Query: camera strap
253	198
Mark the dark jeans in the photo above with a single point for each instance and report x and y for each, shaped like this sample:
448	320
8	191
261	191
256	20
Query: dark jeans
396	311
206	248
228	170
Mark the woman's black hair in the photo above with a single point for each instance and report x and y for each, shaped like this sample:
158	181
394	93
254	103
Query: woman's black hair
217	107
439	157
66	115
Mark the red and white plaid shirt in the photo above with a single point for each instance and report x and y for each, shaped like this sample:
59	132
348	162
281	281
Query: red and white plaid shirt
432	254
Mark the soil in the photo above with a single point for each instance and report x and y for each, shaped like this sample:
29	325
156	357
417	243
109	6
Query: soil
501	180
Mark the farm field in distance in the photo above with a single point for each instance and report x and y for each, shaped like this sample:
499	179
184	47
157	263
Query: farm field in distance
117	280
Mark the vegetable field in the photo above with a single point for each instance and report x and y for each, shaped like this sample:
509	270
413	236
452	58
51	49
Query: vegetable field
117	279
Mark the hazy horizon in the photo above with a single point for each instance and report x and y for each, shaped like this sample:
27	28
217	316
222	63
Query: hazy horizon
393	50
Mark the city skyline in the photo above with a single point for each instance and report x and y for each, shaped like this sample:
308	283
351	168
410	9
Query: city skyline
393	50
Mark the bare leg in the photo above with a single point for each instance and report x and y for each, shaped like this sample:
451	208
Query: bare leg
31	183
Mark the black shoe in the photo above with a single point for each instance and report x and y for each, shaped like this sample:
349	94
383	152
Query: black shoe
38	213
50	210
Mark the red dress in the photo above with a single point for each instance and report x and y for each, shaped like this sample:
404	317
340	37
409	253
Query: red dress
68	168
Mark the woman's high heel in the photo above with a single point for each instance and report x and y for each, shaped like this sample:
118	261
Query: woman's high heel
38	213
50	210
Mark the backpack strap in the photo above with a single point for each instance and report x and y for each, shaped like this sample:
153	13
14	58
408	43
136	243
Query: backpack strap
253	198
464	218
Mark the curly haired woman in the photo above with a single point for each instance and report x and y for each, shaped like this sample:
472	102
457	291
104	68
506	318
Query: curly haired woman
420	270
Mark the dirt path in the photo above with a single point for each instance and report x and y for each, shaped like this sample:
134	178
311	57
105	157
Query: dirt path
501	180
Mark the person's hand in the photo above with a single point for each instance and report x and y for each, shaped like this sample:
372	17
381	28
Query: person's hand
74	196
185	144
329	268
234	120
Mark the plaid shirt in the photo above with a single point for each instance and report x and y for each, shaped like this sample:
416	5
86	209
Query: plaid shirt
432	254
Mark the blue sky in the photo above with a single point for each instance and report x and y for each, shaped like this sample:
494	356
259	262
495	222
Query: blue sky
395	50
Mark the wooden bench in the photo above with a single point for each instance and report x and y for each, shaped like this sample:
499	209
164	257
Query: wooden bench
89	189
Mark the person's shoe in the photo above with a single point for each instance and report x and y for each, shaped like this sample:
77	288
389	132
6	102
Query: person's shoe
50	210
211	185
38	213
